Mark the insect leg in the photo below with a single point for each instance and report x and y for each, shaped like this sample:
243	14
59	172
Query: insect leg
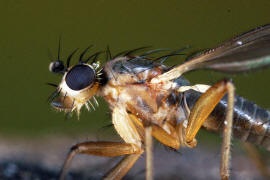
227	135
121	169
161	135
201	110
149	153
109	149
148	144
168	139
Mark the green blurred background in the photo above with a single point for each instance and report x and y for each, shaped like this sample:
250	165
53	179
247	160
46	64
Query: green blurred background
29	28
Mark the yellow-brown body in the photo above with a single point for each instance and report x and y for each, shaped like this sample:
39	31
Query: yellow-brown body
148	99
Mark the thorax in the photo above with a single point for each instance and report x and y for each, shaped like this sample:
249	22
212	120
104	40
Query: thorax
128	85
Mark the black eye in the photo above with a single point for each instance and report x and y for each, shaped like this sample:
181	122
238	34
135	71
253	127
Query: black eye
79	77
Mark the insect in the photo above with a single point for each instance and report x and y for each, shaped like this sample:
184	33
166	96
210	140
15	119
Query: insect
149	99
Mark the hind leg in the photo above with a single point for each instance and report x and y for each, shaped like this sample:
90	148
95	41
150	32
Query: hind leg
201	110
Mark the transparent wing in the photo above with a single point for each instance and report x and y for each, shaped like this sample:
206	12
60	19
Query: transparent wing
248	51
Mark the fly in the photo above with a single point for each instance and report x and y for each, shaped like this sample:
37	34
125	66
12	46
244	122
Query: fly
148	99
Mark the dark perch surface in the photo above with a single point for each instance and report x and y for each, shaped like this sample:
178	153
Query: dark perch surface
19	170
28	160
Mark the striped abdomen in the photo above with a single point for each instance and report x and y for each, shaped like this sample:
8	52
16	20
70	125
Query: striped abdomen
251	122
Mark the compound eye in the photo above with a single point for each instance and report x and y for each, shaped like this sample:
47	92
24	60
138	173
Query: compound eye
80	77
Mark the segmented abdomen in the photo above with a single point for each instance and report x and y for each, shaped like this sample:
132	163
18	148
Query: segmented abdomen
251	122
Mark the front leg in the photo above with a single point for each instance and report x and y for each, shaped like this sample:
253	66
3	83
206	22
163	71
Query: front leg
108	149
